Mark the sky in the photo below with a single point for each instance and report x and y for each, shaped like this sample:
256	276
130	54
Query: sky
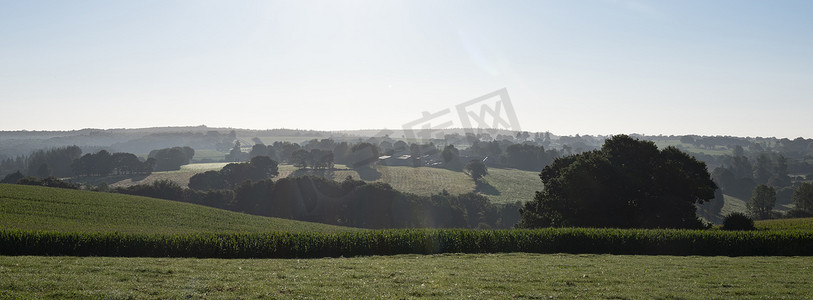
739	68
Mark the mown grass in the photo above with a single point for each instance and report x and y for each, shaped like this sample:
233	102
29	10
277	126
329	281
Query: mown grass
446	276
50	209
785	224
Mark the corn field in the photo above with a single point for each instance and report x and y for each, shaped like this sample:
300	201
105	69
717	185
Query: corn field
416	241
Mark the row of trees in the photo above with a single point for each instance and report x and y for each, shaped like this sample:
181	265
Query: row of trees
762	201
316	155
103	163
348	203
43	163
316	159
743	178
259	168
69	161
322	154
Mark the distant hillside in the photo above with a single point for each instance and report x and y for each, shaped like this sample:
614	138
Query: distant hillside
141	140
504	185
51	209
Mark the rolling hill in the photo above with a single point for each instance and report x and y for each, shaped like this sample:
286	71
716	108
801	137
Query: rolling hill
785	224
51	209
504	185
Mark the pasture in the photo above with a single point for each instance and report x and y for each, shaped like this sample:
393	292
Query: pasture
84	219
785	224
179	176
503	185
445	276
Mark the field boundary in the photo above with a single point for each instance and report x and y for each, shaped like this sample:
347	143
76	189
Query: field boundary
411	241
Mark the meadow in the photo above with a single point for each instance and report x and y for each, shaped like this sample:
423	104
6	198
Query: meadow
446	264
715	151
785	224
444	276
503	185
50	209
50	221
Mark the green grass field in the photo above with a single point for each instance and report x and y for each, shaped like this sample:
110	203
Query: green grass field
506	185
785	224
717	151
447	276
179	176
50	209
212	155
732	204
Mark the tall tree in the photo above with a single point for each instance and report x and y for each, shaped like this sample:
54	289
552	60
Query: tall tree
451	158
235	154
763	170
300	158
627	183
803	197
762	201
169	159
258	150
780	176
476	169
362	155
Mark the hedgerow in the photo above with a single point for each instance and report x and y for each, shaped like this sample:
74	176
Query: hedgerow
406	241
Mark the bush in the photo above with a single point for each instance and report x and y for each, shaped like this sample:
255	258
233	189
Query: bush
797	213
49	182
738	221
12	178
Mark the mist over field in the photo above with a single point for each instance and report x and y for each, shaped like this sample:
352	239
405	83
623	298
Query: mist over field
406	149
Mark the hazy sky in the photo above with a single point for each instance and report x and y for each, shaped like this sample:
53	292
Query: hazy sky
739	67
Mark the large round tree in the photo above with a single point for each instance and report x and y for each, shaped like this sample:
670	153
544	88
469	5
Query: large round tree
627	183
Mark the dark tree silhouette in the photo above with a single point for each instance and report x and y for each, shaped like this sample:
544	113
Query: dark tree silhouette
476	169
362	155
234	174
172	158
300	158
803	197
627	183
12	178
762	201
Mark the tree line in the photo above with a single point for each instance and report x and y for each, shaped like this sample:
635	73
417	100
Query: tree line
347	203
69	161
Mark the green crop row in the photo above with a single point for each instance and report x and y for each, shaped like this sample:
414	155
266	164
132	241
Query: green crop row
389	242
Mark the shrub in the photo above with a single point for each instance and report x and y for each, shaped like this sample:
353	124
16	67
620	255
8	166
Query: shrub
797	213
49	181
738	221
